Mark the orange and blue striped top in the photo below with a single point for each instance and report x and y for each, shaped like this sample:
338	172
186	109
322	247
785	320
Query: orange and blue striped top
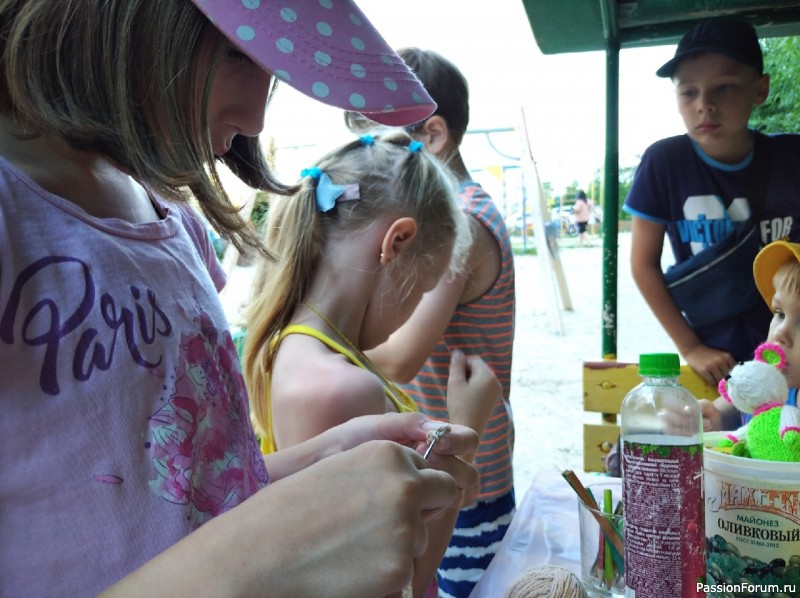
484	327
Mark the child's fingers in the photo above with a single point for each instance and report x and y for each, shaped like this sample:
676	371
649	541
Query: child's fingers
482	376
678	419
458	365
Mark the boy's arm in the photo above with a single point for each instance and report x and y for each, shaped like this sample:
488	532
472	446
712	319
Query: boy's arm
647	241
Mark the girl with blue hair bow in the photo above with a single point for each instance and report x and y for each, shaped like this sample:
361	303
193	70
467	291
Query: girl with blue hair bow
372	228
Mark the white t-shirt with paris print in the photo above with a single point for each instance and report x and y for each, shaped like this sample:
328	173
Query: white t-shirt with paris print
125	422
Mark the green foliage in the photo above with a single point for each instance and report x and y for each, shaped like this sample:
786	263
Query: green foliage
571	193
781	112
519	250
625	181
260	208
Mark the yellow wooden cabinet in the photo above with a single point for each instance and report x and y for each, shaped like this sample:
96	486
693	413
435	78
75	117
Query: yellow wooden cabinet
605	384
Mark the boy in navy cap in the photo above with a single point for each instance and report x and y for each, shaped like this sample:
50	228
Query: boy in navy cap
694	187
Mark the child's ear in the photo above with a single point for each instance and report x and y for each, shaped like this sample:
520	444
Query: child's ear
399	236
436	135
763	89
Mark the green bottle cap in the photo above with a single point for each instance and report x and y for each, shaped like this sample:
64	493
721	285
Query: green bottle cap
659	364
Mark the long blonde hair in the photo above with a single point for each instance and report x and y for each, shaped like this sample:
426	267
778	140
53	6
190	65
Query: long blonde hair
393	182
130	80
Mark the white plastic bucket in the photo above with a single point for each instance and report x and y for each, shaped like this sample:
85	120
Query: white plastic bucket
752	526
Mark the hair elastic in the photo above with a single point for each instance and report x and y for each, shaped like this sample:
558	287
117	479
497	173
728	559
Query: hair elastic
415	146
314	172
367	140
327	194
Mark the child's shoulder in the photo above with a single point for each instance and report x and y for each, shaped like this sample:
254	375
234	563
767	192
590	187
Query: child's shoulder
354	391
307	372
671	145
779	142
667	154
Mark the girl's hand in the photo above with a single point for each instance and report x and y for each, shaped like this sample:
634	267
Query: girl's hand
717	415
472	391
348	525
351	524
407	429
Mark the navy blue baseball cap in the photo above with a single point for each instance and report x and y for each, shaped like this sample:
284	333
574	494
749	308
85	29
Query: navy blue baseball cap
723	35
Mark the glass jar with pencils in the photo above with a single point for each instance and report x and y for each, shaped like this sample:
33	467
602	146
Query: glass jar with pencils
602	533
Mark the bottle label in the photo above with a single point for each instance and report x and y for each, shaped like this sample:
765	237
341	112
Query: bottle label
662	487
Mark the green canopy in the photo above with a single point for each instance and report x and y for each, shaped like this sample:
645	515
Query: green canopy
580	25
561	26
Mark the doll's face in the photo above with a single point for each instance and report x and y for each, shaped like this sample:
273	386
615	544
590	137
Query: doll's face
753	384
785	330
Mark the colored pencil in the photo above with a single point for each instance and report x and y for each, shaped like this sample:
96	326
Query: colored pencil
608	529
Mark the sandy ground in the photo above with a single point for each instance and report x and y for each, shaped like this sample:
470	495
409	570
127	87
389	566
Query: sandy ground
546	391
550	345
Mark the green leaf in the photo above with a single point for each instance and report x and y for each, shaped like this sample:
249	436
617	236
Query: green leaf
780	113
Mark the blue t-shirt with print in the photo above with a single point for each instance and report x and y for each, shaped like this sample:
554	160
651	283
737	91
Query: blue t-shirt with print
697	198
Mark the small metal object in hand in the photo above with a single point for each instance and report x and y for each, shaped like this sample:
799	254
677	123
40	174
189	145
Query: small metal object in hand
434	436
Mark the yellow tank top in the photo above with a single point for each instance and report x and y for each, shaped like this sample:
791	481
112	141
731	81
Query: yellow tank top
401	401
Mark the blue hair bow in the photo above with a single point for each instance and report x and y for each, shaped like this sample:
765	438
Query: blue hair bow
327	193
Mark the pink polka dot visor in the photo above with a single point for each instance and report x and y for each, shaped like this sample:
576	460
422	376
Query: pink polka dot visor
326	49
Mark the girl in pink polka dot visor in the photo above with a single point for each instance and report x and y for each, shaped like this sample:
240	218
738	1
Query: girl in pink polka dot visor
326	49
128	464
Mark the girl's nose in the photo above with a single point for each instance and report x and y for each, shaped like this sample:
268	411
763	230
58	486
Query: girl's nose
251	105
252	121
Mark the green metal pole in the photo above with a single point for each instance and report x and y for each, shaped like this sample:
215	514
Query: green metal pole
611	181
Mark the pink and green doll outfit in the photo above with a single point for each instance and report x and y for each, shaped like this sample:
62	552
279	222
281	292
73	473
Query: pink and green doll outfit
758	387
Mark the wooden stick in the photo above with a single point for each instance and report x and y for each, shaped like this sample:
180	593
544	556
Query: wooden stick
608	529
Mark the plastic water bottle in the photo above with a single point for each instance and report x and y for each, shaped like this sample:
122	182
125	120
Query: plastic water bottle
662	484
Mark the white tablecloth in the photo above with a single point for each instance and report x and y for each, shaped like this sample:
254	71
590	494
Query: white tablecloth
544	531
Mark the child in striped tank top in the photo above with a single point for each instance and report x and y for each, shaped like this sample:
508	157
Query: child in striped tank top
473	313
